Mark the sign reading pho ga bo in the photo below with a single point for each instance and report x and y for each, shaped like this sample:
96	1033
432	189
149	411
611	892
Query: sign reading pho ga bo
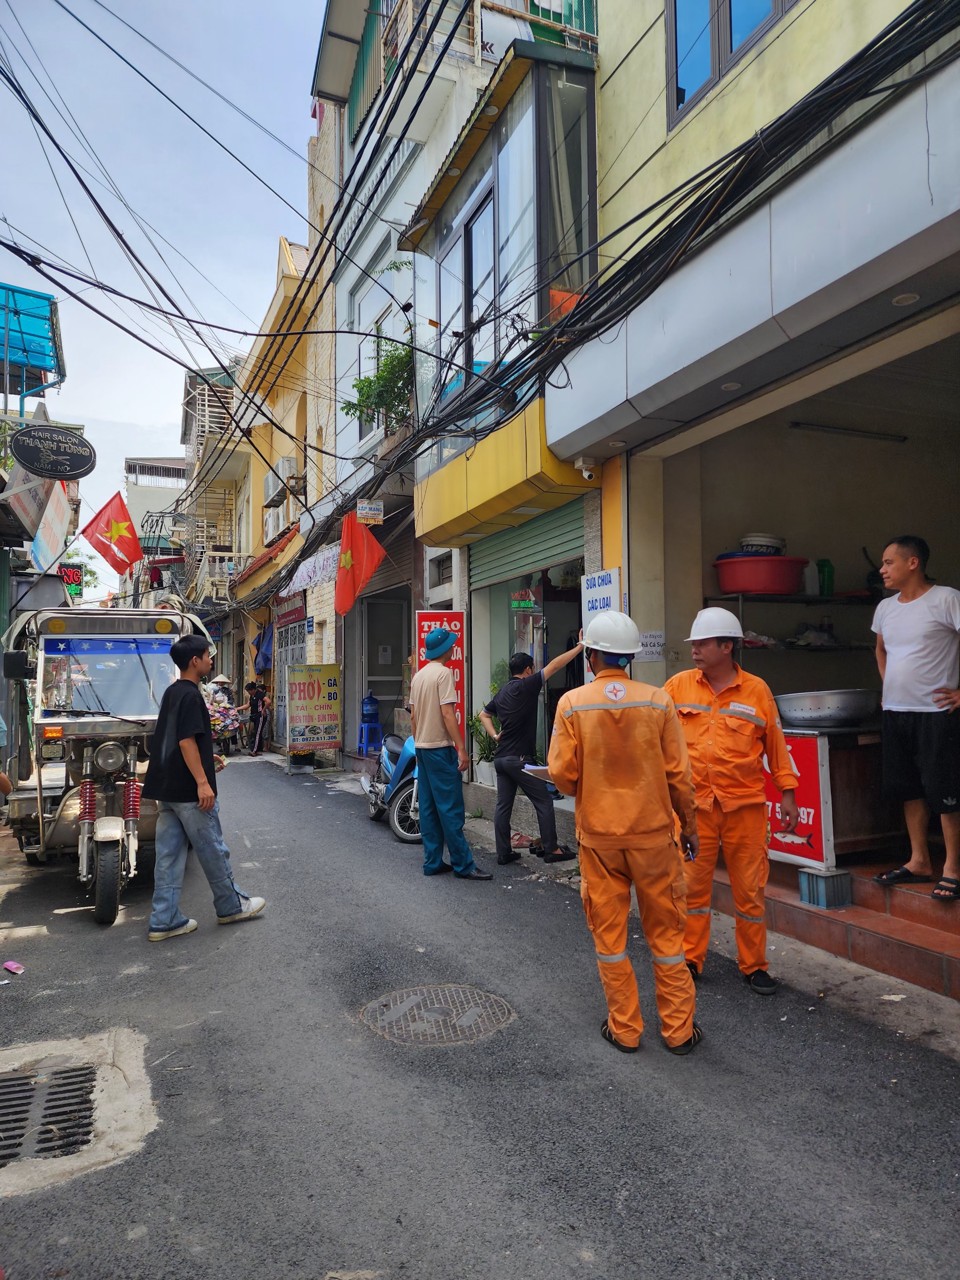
53	452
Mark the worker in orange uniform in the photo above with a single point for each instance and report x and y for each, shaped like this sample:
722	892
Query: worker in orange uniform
729	720
617	746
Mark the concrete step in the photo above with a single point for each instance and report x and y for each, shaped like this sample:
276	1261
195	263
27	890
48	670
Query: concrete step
888	943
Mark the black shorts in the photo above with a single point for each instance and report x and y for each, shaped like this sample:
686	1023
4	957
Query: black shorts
921	757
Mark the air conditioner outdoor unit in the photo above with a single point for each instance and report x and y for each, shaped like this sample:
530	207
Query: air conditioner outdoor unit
273	525
275	486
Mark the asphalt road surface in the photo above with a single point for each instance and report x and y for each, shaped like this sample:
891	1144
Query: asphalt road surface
296	1142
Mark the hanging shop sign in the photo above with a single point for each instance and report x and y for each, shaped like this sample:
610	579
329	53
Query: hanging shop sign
313	707
450	620
289	609
53	452
369	511
72	577
51	536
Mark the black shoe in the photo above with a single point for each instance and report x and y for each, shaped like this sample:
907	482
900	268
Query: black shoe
687	1046
761	982
475	874
444	866
609	1037
537	850
694	971
560	854
512	856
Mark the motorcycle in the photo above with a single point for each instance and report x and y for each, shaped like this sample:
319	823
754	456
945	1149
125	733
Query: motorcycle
88	685
393	790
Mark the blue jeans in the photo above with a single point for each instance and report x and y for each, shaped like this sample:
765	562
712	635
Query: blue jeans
180	825
442	814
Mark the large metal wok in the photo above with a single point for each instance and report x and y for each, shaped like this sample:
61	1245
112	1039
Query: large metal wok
832	709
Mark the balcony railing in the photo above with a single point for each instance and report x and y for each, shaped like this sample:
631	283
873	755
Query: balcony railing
400	24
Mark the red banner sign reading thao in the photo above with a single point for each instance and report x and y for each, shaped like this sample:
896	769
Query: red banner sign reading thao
450	620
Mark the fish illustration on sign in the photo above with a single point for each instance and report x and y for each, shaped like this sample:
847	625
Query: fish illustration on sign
792	837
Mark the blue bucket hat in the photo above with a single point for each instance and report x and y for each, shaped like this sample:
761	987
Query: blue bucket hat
438	642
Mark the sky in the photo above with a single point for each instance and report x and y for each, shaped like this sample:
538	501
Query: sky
201	201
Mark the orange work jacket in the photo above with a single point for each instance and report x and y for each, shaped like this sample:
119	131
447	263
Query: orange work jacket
727	735
618	748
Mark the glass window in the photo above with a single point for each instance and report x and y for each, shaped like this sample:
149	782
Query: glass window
516	214
567	204
746	16
451	319
706	37
692	47
482	289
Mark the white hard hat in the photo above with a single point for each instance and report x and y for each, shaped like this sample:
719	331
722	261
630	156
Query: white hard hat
612	632
220	680
715	623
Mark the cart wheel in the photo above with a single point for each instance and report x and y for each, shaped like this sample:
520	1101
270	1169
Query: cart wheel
226	747
106	888
403	824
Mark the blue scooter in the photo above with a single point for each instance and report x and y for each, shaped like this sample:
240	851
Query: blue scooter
393	789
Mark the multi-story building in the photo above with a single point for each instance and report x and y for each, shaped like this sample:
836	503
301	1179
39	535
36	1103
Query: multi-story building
431	109
151	486
779	342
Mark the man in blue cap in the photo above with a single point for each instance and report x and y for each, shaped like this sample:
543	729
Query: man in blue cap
441	757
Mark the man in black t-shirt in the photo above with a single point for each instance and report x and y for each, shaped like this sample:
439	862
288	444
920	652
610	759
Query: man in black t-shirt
515	706
182	778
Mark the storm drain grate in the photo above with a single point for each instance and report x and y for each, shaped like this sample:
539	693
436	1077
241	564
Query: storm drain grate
437	1015
45	1113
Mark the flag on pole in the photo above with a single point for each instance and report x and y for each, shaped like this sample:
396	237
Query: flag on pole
360	556
112	535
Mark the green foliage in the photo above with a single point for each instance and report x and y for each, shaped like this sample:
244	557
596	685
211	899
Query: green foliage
385	394
501	674
484	745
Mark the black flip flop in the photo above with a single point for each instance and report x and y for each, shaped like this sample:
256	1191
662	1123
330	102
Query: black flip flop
608	1036
951	889
902	875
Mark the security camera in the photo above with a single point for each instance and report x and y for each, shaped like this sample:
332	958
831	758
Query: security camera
587	473
587	467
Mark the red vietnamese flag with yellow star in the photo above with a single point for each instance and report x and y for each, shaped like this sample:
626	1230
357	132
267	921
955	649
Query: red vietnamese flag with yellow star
360	556
112	535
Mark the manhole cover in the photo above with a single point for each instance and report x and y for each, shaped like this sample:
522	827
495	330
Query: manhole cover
437	1015
45	1113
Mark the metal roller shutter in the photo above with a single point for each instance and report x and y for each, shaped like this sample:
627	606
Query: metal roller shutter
548	539
396	569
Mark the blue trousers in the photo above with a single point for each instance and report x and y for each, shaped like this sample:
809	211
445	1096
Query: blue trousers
442	814
181	825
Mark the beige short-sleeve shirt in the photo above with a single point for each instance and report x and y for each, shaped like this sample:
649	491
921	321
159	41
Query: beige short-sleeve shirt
431	687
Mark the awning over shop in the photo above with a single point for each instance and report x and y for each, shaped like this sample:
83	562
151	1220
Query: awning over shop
31	352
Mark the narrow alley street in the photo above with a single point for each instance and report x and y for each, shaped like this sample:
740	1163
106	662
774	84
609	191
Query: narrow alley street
296	1143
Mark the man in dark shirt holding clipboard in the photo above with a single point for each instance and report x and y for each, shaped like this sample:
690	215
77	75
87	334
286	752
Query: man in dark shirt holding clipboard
182	778
515	706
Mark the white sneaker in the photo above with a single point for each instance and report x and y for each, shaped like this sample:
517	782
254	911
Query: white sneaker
161	935
249	907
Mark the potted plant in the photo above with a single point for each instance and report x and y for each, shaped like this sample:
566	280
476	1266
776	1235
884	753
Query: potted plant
484	748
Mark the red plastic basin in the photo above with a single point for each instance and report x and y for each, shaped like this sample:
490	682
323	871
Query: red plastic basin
761	575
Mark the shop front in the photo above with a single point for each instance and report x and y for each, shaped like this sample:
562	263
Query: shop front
525	598
289	649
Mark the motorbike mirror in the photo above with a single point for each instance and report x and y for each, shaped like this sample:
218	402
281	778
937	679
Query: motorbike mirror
16	665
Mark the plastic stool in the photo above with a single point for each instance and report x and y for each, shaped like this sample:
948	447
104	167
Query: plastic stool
369	739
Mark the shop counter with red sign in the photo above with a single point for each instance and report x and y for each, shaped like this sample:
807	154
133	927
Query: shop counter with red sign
450	620
840	798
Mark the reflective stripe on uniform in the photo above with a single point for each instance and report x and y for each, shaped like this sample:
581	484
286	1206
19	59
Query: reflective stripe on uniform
749	919
668	959
611	706
744	715
693	706
611	959
698	911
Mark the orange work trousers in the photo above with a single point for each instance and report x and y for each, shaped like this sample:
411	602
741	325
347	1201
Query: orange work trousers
657	876
742	834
